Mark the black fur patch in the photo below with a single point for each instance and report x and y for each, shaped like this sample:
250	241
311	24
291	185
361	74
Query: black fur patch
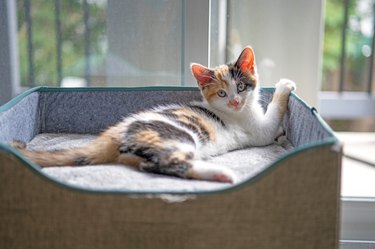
159	161
174	169
238	76
149	154
194	124
81	161
208	113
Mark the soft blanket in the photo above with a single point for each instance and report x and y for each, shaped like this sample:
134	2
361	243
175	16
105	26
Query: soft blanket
246	163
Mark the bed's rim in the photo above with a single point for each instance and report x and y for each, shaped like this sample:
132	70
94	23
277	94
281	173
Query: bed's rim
19	97
331	142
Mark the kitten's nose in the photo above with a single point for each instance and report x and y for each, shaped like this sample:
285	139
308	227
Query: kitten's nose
234	102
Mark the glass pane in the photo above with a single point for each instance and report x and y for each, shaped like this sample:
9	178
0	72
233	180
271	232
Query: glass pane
358	49
334	19
102	43
358	45
144	42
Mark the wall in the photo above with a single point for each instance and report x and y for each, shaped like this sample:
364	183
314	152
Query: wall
286	36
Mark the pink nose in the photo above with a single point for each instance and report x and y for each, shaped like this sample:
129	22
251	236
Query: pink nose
234	102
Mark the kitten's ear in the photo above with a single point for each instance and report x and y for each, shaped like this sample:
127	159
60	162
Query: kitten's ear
202	74
246	60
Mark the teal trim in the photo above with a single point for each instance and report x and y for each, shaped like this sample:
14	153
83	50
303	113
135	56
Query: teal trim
108	89
267	89
329	142
18	98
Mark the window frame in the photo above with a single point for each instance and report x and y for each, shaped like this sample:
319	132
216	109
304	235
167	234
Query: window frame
9	69
358	220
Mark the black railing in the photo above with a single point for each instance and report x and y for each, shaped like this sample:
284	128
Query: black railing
58	40
86	18
344	48
30	48
58	37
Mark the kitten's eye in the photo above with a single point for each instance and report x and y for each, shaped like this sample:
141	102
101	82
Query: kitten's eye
221	93
241	87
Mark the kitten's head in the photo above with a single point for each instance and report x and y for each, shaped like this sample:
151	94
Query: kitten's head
228	87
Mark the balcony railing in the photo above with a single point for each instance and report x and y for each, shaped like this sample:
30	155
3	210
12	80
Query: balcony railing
338	104
58	36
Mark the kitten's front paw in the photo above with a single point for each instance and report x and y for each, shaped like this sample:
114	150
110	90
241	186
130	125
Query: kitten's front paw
285	86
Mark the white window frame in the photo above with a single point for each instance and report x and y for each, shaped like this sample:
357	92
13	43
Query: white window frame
346	105
358	221
204	33
9	67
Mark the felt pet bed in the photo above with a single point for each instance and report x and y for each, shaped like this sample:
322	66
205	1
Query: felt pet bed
287	196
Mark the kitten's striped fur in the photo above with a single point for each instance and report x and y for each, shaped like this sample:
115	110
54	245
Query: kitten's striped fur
175	139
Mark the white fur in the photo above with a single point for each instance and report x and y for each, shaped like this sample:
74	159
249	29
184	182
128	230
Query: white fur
212	172
248	127
246	124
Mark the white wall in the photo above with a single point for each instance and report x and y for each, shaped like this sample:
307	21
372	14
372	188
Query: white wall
286	36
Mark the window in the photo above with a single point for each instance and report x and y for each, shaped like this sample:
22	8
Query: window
115	43
348	65
348	84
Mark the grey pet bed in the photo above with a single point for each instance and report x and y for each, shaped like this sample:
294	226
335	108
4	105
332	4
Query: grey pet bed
297	178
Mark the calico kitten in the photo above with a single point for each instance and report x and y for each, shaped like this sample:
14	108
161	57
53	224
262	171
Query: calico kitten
175	139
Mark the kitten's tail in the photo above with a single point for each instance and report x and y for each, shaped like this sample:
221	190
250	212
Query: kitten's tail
103	149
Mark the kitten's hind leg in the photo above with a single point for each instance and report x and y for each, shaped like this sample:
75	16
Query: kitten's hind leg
190	169
203	170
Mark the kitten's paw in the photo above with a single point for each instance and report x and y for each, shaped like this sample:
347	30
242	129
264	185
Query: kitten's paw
285	86
207	171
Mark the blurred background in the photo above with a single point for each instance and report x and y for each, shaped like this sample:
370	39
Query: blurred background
325	46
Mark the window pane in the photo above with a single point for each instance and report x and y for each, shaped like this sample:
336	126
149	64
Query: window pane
334	19
100	43
144	42
360	33
358	45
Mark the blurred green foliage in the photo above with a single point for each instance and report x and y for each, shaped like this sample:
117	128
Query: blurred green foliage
358	44
73	45
72	33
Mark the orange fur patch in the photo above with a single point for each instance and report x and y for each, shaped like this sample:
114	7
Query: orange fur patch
221	72
149	137
179	156
281	100
210	92
130	160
